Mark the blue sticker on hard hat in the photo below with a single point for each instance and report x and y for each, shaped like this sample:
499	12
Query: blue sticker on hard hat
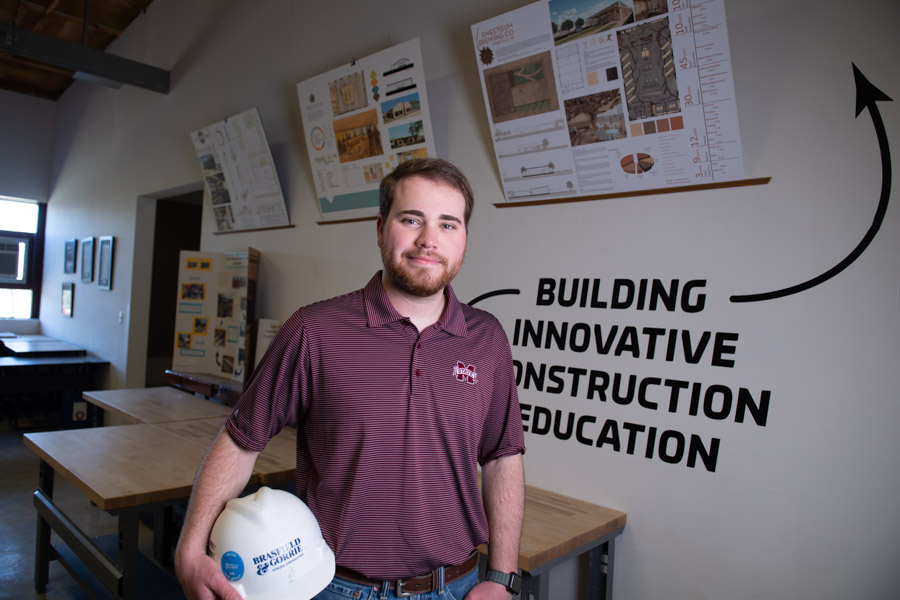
232	566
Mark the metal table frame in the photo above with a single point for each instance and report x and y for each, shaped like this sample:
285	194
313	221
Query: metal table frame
601	560
119	576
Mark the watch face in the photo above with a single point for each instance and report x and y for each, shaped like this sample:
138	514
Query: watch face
515	583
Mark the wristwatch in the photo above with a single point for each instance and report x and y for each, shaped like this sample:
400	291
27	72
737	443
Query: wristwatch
512	581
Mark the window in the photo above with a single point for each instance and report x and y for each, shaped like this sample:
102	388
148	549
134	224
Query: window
21	258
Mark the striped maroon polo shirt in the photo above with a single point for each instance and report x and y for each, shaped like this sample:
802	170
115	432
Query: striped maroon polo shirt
392	424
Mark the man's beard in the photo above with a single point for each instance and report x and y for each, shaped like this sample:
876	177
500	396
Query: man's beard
418	282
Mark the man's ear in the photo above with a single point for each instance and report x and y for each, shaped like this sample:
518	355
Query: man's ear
379	224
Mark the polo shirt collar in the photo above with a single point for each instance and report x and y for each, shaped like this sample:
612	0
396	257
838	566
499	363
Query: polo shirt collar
380	311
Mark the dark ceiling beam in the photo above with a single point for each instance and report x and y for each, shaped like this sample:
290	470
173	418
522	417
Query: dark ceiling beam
98	64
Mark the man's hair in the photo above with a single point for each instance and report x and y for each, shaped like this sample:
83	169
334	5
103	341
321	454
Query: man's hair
432	169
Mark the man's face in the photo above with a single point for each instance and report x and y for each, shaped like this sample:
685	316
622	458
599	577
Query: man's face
423	238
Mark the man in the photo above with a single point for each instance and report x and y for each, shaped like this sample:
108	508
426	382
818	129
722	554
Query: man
398	392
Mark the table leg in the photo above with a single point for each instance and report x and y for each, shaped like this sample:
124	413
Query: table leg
163	534
129	529
600	570
42	543
97	415
535	586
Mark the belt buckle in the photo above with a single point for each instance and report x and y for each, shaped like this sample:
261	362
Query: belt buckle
400	593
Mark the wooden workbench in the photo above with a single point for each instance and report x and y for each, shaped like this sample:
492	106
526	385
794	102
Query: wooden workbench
558	528
156	405
123	470
34	346
275	464
36	371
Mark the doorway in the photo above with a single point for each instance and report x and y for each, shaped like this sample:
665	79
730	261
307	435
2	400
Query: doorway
177	227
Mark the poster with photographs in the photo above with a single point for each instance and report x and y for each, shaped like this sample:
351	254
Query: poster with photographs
588	97
216	298
361	120
239	174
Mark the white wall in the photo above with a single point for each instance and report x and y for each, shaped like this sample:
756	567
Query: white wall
804	506
26	124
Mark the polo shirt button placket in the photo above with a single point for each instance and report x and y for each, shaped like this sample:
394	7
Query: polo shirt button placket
418	347
415	372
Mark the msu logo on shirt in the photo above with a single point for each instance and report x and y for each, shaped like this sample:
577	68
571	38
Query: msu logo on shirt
466	373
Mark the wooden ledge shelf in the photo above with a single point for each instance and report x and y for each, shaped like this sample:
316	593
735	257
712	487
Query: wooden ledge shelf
632	194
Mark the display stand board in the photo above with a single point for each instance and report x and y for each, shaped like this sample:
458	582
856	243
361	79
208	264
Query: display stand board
214	318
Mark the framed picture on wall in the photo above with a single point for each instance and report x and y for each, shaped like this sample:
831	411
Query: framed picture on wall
68	299
71	248
104	263
87	260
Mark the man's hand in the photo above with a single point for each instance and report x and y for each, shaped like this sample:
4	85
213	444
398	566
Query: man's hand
488	590
201	579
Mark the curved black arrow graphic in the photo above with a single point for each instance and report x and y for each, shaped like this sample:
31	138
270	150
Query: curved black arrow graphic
866	97
492	294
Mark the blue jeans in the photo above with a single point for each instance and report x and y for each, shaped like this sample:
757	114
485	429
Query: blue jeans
340	589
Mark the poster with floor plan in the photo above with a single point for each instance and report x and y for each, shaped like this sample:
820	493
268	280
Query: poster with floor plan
240	175
361	120
589	98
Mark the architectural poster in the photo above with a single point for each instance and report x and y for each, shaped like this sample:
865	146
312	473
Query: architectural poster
240	175
362	120
589	98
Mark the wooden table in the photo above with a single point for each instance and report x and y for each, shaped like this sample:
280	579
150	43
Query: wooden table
27	382
558	528
156	405
31	346
128	469
123	470
277	463
48	374
197	420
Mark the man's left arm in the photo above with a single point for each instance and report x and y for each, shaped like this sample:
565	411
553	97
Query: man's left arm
503	493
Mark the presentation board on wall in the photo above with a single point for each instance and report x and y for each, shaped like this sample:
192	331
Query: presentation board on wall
240	175
588	98
361	120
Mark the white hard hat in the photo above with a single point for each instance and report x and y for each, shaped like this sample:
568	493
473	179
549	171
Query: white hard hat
270	547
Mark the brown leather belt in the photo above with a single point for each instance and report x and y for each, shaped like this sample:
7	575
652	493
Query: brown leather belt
412	585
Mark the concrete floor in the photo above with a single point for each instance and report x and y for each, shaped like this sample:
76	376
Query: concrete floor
18	481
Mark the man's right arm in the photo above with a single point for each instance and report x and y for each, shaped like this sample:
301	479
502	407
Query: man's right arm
223	475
